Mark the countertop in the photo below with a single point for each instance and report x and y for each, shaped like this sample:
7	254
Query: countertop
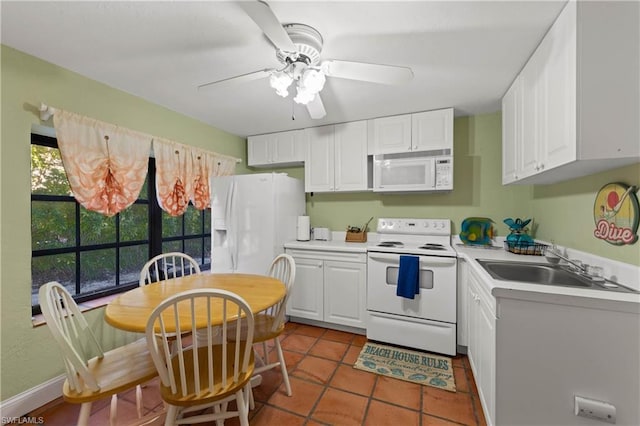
337	243
601	299
544	293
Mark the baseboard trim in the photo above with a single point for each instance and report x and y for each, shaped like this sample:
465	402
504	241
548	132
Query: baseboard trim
31	399
339	327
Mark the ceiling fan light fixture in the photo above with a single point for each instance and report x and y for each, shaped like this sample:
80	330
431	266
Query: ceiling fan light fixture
280	81
312	80
304	96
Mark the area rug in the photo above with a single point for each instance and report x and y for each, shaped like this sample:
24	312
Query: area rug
418	367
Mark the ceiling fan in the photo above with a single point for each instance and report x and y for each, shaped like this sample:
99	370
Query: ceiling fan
298	48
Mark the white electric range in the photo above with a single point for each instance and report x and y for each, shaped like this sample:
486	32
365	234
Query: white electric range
428	321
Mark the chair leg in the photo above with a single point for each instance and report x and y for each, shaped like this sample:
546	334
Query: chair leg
139	401
172	412
243	411
217	410
85	413
283	367
252	402
113	412
266	354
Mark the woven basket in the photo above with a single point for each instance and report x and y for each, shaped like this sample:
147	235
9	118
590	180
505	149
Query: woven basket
532	249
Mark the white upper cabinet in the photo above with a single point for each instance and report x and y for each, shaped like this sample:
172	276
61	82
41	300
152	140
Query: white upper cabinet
319	165
277	149
432	130
568	113
389	135
337	158
423	131
511	131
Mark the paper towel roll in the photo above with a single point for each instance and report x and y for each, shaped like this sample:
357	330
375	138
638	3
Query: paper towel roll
304	228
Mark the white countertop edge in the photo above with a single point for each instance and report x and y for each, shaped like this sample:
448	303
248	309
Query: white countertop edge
628	302
337	243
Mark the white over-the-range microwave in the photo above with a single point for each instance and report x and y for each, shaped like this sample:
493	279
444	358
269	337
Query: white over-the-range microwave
426	171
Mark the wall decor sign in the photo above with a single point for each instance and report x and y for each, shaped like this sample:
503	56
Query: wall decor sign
616	214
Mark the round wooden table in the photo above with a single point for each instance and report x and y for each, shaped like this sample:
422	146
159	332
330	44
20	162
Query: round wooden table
130	311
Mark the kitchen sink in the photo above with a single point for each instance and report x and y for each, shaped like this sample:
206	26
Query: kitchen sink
542	273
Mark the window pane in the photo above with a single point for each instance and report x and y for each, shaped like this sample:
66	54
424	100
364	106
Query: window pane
192	221
97	270
96	228
132	259
52	224
47	172
207	250
207	221
59	267
134	223
169	246
194	249
171	226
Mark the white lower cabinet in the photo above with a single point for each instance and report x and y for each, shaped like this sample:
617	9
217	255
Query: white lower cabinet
462	282
306	299
330	287
481	343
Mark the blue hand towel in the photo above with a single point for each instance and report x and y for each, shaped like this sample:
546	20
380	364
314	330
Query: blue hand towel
408	277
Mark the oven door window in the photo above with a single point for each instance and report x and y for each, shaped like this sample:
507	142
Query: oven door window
425	278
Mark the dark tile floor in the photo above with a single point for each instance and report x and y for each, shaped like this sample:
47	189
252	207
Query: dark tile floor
326	390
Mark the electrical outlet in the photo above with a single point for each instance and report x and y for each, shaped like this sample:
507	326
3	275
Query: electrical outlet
593	409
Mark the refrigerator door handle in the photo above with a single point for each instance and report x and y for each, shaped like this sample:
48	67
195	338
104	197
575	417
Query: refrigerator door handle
232	231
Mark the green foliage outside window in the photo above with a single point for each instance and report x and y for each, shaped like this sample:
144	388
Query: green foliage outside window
110	250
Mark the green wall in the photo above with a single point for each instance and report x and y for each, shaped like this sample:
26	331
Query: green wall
28	356
477	182
562	213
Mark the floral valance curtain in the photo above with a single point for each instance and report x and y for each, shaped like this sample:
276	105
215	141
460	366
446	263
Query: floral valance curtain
183	173
106	166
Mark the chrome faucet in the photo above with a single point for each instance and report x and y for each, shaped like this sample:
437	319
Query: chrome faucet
581	267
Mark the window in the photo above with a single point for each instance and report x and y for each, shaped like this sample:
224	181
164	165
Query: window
93	255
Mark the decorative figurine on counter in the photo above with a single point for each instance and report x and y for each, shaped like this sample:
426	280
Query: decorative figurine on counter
518	230
477	231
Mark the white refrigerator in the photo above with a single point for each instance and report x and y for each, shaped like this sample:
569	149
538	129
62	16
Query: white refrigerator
252	217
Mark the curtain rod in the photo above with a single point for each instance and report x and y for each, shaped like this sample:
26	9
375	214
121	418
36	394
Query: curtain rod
47	111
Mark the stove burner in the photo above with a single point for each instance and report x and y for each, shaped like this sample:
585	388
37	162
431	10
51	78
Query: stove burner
391	244
432	246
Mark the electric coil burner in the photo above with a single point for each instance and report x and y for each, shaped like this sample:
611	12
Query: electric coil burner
428	321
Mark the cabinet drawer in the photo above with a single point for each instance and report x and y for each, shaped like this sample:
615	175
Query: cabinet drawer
344	256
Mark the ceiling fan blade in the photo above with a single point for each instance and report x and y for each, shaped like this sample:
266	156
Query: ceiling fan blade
237	79
375	73
268	22
316	108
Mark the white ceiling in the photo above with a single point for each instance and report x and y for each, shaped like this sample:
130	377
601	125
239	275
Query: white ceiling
463	54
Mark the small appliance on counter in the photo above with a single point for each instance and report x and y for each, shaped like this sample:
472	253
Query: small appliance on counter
322	234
